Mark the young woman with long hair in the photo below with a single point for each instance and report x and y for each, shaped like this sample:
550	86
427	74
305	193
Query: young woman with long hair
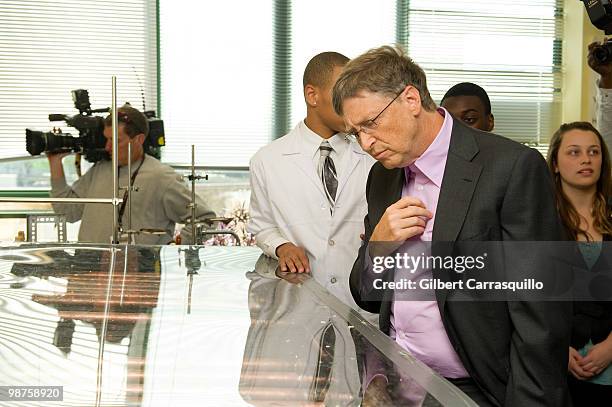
580	164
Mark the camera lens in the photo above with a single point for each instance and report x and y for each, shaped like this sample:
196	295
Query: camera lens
57	143
38	142
35	142
602	54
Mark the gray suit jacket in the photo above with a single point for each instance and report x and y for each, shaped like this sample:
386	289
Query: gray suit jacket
493	189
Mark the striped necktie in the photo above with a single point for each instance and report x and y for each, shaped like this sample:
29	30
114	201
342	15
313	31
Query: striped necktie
325	363
328	173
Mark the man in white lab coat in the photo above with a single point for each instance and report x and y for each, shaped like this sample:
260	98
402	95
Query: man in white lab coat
308	188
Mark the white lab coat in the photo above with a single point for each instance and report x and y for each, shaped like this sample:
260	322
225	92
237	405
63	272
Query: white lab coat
283	344
288	204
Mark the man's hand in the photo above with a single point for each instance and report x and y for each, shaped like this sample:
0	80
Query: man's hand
401	221
574	365
598	358
293	278
55	164
605	70
292	258
56	157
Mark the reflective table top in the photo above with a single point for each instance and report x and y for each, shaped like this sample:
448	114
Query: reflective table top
182	326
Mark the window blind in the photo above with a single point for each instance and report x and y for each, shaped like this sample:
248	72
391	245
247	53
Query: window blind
512	48
48	48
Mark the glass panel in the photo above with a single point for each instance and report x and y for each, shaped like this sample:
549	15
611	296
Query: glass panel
33	173
226	191
49	48
177	326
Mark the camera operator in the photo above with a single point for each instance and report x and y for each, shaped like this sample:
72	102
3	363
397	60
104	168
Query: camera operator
160	198
604	92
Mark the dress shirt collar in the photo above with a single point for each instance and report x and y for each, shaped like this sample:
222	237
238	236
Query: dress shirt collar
433	161
311	141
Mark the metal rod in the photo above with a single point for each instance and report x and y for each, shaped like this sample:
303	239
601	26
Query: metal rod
176	166
125	269
129	194
60	200
20	158
193	197
179	166
104	329
115	125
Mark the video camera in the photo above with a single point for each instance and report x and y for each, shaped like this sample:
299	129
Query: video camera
600	14
90	141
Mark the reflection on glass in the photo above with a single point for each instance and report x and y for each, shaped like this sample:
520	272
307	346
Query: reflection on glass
299	351
159	326
117	306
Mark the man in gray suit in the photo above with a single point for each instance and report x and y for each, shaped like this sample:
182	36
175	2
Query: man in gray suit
439	180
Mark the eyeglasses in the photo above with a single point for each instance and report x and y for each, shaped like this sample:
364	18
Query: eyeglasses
371	124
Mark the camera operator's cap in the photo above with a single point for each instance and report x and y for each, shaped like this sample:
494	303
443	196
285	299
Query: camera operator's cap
129	115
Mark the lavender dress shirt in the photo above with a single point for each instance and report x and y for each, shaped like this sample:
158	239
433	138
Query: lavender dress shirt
417	325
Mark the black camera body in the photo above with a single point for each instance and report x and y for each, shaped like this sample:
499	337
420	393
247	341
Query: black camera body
600	14
156	138
91	140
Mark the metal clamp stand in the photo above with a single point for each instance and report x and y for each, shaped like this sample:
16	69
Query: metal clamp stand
115	125
130	188
193	204
195	231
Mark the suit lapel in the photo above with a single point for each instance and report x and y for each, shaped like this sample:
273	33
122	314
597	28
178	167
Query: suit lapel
391	194
294	154
388	194
356	154
305	164
458	184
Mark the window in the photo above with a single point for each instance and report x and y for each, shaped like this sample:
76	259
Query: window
219	62
216	72
511	48
349	27
51	48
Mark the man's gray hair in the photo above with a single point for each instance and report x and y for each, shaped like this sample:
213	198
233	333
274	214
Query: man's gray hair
386	70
